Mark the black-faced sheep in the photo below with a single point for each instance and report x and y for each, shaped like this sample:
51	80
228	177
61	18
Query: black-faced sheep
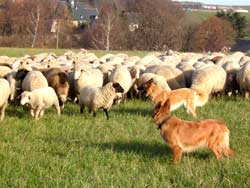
99	97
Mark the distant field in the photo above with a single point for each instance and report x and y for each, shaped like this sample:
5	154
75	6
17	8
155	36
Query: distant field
199	16
17	52
77	150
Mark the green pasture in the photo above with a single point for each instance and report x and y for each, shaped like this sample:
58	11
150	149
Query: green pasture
78	150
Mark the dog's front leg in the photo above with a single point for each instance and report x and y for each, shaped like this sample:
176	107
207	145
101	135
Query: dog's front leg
177	151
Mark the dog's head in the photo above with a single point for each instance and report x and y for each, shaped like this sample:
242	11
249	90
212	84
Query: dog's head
144	88
161	111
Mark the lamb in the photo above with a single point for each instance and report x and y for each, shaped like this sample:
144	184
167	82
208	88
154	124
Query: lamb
99	97
4	93
40	99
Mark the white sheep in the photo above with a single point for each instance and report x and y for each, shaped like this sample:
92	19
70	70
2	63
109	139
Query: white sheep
34	80
122	76
208	80
99	97
187	70
158	80
168	74
87	76
40	99
4	93
243	79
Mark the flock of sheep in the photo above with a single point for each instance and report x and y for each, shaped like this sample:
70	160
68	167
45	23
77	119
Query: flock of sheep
46	80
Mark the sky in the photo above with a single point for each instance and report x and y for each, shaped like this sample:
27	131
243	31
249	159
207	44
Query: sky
222	2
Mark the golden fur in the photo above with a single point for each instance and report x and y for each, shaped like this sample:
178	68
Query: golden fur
178	97
185	136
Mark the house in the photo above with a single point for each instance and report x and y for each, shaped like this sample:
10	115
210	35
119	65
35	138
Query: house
133	20
84	15
81	13
242	45
241	10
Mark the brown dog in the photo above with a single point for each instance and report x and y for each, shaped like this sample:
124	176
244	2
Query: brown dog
184	136
178	97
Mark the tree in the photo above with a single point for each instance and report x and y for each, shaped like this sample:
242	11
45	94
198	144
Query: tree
213	34
109	31
28	23
238	22
160	25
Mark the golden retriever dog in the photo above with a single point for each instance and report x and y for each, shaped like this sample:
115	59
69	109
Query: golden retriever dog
185	136
180	97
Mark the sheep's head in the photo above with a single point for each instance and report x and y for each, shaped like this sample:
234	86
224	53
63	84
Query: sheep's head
118	88
25	97
21	73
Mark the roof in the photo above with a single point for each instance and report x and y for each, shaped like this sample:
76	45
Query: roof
87	14
242	45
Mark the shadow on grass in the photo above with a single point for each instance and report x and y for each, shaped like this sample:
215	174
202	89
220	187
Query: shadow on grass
148	150
135	147
20	112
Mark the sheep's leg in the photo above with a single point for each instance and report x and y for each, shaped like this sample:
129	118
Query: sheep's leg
2	111
32	112
94	113
81	108
41	113
106	113
58	110
246	95
37	112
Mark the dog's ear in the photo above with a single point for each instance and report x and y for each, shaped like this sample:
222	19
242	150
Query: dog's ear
157	107
150	81
166	105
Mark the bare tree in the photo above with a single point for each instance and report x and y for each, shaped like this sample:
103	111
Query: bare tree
104	25
160	25
35	20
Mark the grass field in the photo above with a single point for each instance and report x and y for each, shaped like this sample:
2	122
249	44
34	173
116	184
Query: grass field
127	151
76	150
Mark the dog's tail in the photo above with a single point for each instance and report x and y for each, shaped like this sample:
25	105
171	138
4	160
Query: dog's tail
225	145
201	98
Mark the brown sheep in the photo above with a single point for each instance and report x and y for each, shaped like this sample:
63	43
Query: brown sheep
58	80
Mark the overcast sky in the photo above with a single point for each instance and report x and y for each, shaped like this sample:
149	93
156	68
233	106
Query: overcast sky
223	2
